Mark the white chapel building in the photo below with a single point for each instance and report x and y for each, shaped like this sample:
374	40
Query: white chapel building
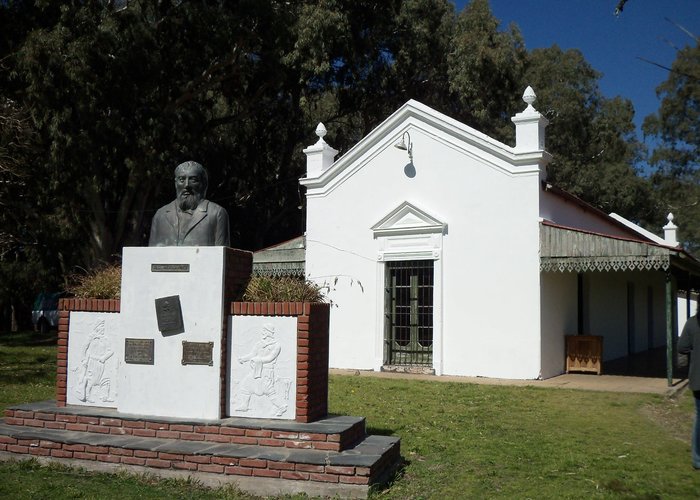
447	251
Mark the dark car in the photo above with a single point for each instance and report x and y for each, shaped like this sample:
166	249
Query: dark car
45	311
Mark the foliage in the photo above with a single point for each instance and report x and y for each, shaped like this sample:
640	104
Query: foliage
100	283
282	289
592	138
485	70
98	104
676	157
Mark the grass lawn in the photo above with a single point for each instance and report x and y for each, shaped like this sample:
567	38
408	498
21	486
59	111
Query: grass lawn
458	440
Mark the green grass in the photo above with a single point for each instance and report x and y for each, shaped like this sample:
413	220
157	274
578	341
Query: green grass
27	367
29	480
458	440
477	441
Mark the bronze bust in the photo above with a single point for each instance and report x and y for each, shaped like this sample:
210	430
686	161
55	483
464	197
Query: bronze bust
190	219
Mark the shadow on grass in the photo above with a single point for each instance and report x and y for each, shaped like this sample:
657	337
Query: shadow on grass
393	476
380	431
26	372
28	339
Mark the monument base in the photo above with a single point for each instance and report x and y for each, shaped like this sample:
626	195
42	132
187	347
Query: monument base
330	457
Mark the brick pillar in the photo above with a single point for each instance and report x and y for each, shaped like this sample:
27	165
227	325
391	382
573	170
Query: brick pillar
312	351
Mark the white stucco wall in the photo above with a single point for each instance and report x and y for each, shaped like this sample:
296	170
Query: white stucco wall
606	298
605	304
559	310
487	261
564	212
682	307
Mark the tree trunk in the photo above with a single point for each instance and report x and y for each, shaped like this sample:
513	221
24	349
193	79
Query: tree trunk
14	327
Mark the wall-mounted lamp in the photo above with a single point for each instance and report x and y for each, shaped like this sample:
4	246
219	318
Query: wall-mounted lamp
405	144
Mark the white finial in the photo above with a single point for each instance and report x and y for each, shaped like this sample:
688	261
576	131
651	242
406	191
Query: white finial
529	96
320	156
321	132
529	125
671	231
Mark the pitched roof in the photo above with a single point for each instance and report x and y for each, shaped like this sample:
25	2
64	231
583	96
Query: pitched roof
415	116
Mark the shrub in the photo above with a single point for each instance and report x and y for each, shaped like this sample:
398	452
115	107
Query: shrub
282	289
105	283
101	283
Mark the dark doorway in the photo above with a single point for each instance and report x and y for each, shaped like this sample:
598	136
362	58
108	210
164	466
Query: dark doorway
408	313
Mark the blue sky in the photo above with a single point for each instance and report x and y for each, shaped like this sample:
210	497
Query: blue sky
612	45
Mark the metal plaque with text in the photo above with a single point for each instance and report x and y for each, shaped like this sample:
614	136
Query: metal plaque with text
197	353
138	351
169	315
170	268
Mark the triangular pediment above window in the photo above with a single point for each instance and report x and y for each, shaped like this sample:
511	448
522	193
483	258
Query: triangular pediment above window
408	219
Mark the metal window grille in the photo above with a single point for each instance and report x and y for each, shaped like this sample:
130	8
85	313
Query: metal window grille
408	338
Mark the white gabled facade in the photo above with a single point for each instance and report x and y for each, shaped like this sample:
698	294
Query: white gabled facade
462	200
443	247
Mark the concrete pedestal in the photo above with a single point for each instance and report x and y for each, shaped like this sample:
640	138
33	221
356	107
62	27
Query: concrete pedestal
172	383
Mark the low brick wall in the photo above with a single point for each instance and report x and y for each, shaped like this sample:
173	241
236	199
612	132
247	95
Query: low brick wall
202	463
65	306
312	351
215	433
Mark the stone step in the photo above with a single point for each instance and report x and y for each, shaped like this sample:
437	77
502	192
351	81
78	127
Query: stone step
332	433
349	472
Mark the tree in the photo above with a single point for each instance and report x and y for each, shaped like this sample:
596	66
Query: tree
592	138
120	98
485	71
102	103
676	130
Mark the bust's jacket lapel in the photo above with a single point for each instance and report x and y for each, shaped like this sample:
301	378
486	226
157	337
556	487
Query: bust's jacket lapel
198	216
171	215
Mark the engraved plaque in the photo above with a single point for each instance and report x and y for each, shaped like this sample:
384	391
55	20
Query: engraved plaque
170	268
169	314
138	351
197	353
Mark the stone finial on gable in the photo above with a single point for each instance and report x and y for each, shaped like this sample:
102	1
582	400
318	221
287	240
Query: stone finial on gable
320	156
671	232
529	125
529	97
321	133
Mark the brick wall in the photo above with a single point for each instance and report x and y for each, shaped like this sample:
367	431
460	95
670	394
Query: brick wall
312	351
219	464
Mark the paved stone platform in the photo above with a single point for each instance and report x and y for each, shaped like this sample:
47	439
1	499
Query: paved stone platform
260	455
578	381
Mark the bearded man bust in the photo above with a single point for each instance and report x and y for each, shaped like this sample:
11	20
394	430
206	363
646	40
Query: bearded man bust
190	219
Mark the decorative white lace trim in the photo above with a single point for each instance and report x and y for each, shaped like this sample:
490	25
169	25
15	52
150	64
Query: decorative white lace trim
584	264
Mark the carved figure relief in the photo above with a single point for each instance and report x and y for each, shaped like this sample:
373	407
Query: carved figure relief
93	383
261	380
263	368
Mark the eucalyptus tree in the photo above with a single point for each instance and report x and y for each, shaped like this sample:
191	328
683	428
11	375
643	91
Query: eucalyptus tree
115	94
675	133
592	138
485	69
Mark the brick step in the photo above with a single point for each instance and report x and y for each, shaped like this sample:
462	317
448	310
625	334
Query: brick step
369	462
333	433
